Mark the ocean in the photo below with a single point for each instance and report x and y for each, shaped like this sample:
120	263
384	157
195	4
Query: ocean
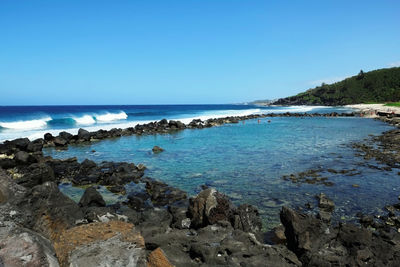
247	161
34	121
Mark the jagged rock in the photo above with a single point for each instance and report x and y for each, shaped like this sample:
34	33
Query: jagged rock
209	207
92	198
179	214
302	232
247	219
48	211
36	174
324	203
346	245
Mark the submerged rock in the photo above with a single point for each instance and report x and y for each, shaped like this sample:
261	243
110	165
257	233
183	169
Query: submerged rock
157	149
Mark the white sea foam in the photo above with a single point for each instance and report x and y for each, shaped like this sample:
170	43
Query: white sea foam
112	117
26	125
85	120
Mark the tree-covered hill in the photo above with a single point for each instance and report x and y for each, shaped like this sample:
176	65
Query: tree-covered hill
376	86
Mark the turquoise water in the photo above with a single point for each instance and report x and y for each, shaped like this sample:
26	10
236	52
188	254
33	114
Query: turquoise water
247	162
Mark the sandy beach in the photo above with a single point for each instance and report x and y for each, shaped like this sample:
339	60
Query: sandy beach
371	109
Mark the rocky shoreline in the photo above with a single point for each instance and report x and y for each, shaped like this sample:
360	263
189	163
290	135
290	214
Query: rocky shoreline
160	225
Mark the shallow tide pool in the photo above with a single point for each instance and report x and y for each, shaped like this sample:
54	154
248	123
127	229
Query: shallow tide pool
246	161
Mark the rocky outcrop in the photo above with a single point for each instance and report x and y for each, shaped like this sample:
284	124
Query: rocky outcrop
211	207
317	244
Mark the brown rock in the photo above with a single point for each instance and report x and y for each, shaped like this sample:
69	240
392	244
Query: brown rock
157	258
85	235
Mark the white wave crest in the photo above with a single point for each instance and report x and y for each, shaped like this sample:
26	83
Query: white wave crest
85	120
112	116
26	125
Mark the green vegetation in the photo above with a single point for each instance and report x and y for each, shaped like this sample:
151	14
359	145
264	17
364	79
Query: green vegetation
378	86
393	104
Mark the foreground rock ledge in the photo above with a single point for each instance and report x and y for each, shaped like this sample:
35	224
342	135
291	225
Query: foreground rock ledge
39	226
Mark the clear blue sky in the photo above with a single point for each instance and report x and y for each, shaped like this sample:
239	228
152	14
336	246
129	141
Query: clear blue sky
175	52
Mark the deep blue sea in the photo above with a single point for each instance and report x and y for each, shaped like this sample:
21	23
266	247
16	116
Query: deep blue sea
246	160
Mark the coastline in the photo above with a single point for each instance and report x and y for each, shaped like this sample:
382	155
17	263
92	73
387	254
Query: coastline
175	215
371	110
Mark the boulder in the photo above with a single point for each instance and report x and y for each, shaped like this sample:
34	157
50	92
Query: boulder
83	134
48	137
92	198
247	219
66	136
303	233
324	203
22	157
59	141
20	143
209	207
22	247
48	211
36	174
35	146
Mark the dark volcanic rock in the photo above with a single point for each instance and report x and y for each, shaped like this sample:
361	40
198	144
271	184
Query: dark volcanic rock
209	207
66	136
48	211
36	174
324	203
162	194
48	137
92	198
247	219
83	134
35	146
24	158
303	233
59	141
7	163
346	245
